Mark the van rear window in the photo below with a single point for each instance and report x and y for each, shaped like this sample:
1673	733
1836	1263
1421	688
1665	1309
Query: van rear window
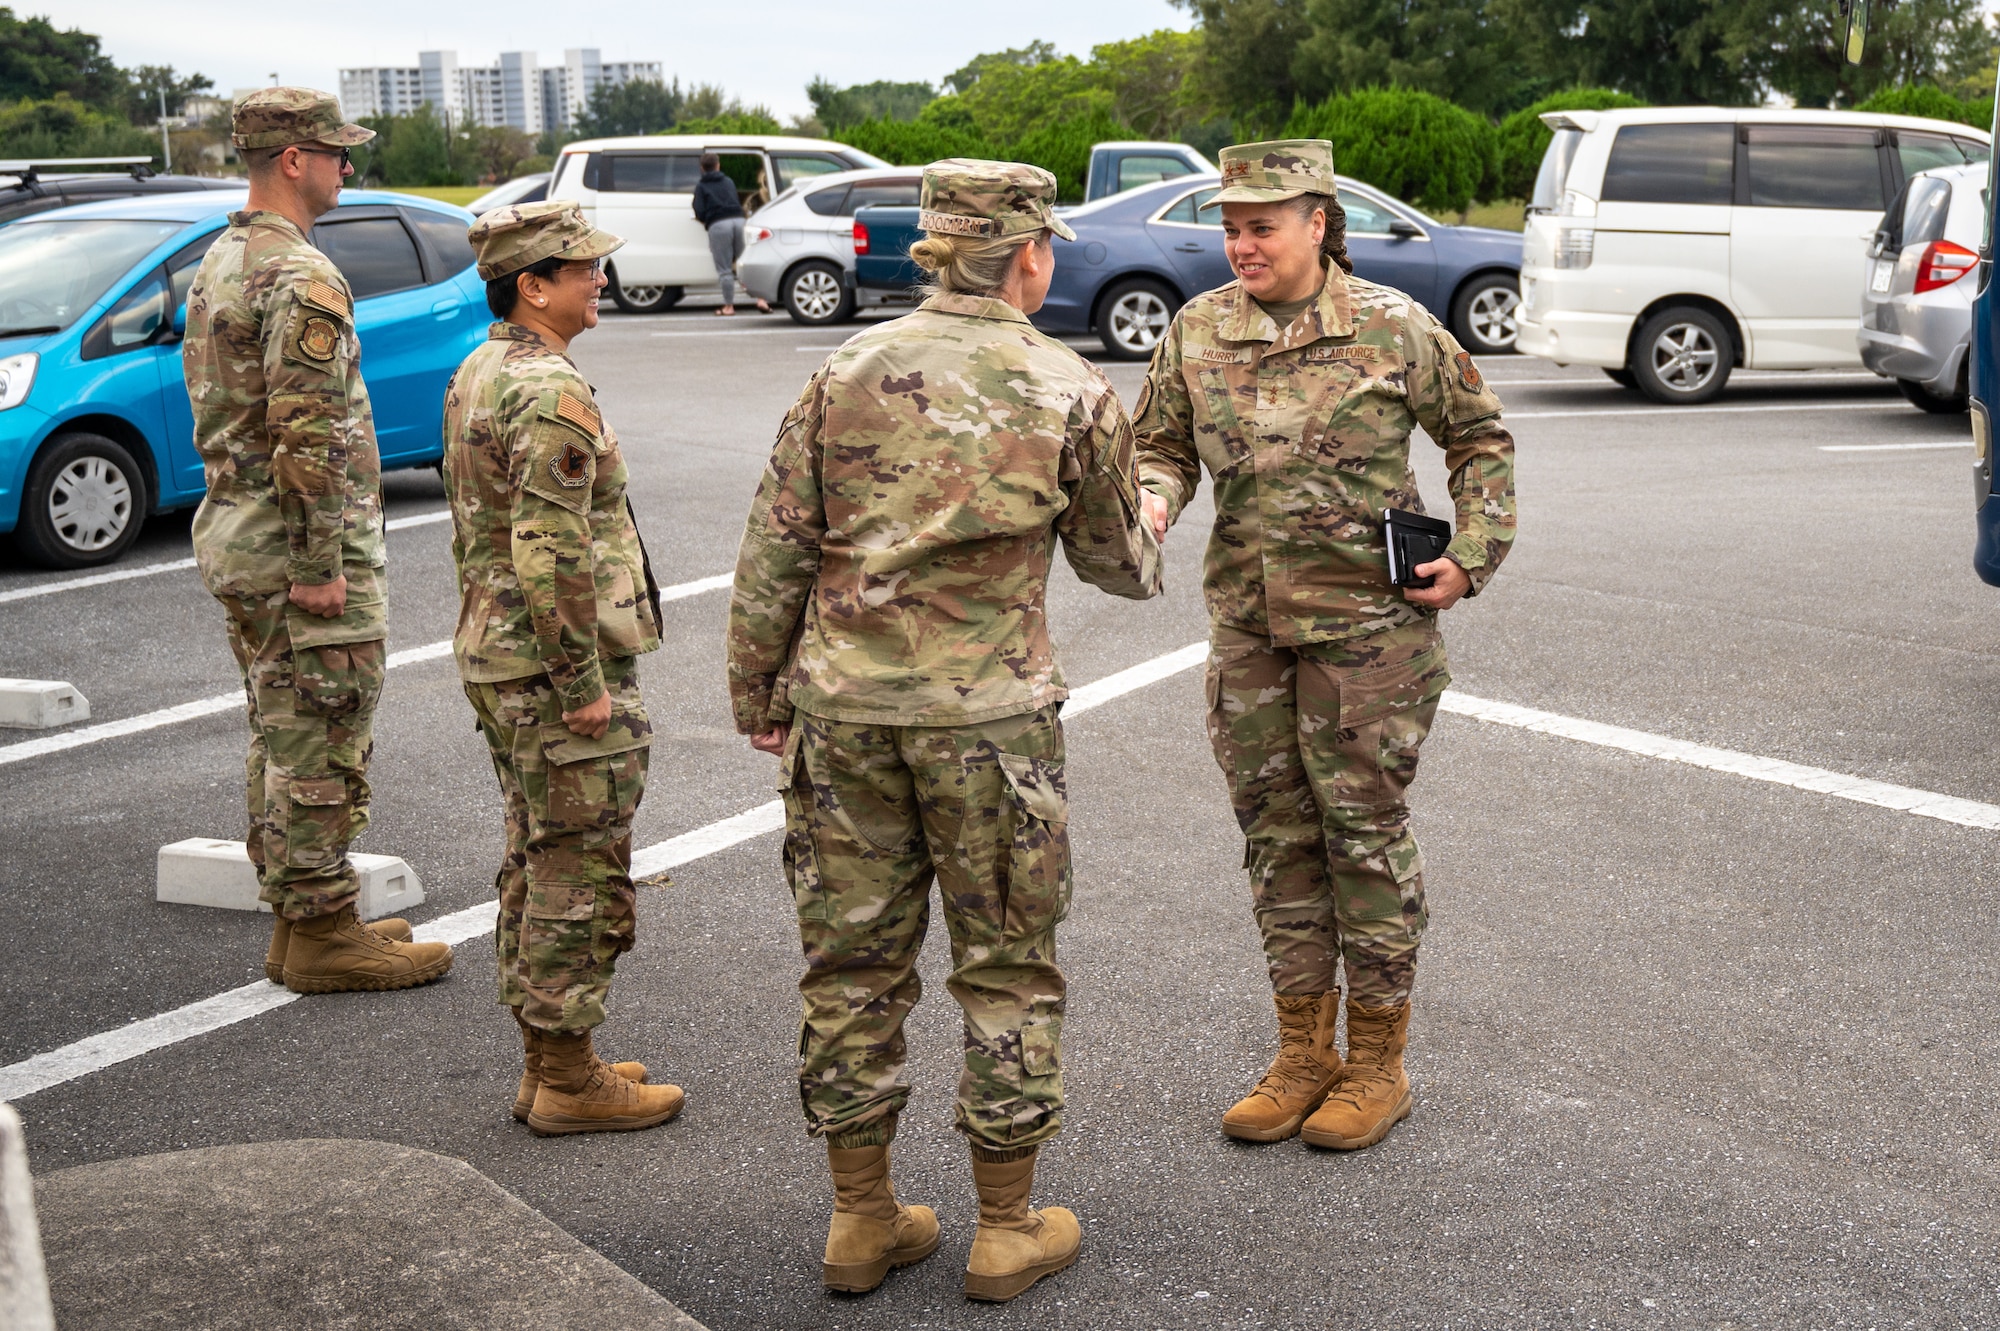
1672	164
1814	167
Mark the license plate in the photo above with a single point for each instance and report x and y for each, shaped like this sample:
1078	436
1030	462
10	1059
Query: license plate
1884	270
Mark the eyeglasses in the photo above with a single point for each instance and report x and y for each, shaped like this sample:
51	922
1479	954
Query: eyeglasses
594	271
343	154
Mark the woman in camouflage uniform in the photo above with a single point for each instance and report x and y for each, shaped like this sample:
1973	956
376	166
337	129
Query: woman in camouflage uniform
888	639
1297	386
556	604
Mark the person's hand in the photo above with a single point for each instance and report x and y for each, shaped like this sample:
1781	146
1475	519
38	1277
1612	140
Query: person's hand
772	740
590	720
1452	583
1154	509
328	600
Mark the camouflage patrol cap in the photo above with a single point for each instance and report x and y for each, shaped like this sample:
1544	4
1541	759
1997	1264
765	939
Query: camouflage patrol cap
280	117
521	235
967	197
1274	170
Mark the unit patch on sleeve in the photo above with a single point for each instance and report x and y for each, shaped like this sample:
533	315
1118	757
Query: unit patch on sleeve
319	339
571	467
1468	373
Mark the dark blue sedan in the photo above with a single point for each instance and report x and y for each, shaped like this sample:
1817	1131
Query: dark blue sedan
1138	256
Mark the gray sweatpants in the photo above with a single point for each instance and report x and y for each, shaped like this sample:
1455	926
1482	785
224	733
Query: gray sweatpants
725	246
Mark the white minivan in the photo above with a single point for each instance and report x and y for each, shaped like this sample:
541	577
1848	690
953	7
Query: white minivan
641	187
1671	244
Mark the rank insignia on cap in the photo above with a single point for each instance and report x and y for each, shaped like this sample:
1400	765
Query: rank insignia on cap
572	469
1468	373
319	338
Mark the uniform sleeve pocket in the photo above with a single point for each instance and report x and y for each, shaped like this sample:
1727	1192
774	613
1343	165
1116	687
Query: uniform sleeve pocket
1039	785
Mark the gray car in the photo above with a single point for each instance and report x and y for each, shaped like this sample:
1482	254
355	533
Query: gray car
801	245
1916	299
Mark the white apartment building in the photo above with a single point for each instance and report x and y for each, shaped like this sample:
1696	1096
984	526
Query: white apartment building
514	90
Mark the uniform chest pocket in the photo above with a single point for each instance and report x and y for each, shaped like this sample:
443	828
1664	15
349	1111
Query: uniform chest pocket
1219	434
1357	409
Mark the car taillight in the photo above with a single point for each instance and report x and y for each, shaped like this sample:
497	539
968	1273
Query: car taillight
763	233
860	239
1942	264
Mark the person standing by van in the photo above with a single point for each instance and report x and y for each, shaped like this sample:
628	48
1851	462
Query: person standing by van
1297	386
718	208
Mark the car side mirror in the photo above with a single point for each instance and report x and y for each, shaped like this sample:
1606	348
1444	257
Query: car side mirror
180	324
1404	229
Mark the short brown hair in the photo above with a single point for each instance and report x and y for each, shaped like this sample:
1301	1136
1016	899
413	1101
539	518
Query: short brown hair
710	162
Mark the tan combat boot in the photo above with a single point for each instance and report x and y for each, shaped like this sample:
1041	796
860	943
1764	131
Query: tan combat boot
871	1231
1374	1095
1015	1246
1307	1066
332	954
531	1074
393	929
580	1092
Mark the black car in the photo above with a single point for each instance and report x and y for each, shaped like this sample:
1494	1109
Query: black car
32	187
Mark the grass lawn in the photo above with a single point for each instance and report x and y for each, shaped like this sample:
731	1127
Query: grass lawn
456	194
1508	215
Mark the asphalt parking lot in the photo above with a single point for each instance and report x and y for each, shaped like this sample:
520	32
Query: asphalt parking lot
1691	1047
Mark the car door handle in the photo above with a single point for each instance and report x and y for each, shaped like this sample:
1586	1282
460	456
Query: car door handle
444	307
1191	249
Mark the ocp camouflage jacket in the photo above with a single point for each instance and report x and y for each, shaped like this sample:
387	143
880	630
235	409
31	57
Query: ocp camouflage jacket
1306	433
551	574
895	565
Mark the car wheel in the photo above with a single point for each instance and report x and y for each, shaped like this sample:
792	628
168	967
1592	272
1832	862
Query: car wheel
1682	356
1483	314
1623	378
1929	401
1133	317
817	293
643	297
83	504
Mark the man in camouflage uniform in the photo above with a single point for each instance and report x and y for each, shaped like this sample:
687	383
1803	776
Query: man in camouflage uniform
556	604
1297	386
888	637
289	539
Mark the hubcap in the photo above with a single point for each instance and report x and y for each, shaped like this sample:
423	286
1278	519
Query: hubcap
1492	316
90	504
815	294
640	295
1138	318
1685	357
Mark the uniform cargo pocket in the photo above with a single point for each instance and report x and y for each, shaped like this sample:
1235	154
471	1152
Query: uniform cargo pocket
1038	883
1385	714
318	821
1041	1047
338	680
597	796
801	856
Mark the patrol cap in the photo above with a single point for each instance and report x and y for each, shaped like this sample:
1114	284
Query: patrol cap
1273	170
521	235
280	117
967	197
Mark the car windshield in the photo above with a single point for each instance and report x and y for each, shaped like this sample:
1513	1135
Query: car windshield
51	272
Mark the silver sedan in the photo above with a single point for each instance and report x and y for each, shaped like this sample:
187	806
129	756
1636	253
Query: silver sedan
1916	299
800	251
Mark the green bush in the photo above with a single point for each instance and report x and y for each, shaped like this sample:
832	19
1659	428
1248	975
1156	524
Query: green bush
913	142
1931	103
1414	145
1522	138
1063	149
61	126
757	121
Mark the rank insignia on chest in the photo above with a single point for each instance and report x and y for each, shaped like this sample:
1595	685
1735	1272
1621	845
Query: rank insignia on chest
1468	373
572	468
1359	353
320	338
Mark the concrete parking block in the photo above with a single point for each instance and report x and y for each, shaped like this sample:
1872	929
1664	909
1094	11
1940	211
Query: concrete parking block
24	1285
37	704
201	871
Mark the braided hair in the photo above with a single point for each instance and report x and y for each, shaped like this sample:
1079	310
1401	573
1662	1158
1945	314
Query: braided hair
1332	245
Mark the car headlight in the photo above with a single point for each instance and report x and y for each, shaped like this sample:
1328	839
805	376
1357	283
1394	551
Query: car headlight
17	376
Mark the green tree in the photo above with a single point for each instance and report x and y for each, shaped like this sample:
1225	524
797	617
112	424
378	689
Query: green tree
1451	48
416	149
733	120
1245	66
1024	57
1665	51
638	107
913	142
1522	138
1148	79
144	85
837	108
498	152
1062	148
38	62
1009	99
1414	145
62	126
1796	48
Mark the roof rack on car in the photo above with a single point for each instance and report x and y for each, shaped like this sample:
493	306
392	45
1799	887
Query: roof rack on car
28	167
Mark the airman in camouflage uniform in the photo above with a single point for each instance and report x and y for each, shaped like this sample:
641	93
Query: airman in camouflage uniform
556	603
1323	678
289	539
889	625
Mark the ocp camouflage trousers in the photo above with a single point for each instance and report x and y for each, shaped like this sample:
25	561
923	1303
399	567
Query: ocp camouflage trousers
311	687
1319	746
567	905
872	814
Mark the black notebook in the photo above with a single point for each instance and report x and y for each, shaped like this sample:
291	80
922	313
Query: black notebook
1413	539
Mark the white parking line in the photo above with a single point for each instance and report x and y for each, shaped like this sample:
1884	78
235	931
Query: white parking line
148	570
786	327
222	702
97	1052
1889	448
1671	413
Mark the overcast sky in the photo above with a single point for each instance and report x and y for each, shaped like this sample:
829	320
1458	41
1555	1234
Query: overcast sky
763	50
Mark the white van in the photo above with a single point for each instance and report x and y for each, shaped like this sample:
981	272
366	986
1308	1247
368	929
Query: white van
642	188
1670	244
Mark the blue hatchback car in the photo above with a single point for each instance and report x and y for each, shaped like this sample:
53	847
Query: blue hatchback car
95	427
